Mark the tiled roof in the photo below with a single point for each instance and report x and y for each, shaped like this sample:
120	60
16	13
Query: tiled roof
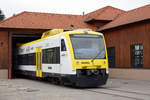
35	20
107	13
132	16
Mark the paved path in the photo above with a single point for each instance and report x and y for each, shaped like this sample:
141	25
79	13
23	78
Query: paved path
116	89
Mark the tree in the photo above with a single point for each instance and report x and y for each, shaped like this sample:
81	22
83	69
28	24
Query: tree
2	16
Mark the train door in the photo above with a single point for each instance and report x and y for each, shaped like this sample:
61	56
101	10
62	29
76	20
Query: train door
39	62
63	57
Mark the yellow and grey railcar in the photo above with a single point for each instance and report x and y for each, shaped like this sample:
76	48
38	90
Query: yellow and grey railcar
77	57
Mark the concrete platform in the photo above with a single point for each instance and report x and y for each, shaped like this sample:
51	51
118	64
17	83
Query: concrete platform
3	73
130	73
116	89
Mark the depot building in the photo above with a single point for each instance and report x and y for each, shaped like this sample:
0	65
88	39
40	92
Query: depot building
126	33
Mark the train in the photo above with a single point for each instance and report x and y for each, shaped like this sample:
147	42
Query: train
76	57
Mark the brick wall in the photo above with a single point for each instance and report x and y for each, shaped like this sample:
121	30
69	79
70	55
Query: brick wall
3	50
139	74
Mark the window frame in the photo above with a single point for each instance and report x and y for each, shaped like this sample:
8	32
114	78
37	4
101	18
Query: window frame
111	57
136	54
63	45
27	59
51	55
84	36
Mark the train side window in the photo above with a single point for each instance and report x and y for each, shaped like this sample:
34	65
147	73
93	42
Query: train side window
63	46
27	59
51	55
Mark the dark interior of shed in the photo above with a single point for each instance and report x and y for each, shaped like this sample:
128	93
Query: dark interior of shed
21	39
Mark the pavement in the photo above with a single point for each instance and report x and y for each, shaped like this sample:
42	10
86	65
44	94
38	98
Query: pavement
115	89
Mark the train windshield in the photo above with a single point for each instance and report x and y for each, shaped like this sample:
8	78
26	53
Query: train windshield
88	46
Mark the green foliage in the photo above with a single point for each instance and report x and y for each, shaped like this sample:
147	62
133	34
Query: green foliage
2	16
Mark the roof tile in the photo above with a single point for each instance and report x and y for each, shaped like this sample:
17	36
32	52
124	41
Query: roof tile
129	17
35	20
104	14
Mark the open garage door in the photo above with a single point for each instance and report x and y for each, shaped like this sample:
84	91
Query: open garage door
20	39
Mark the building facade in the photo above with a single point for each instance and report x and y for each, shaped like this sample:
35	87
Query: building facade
127	40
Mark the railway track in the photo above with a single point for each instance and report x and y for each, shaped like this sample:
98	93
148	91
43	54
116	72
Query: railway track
121	93
139	93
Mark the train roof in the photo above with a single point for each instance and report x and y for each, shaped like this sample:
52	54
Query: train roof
59	32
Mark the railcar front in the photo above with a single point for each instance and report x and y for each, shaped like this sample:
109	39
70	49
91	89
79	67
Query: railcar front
89	58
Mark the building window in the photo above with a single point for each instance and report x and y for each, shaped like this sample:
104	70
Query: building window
111	56
137	56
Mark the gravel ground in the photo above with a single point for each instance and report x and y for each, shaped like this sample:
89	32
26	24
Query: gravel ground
115	89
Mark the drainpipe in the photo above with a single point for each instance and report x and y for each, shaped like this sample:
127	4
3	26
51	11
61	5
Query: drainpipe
10	54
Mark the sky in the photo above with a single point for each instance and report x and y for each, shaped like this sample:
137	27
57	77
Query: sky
11	7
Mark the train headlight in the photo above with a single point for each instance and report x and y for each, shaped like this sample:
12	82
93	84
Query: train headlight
77	62
107	70
104	62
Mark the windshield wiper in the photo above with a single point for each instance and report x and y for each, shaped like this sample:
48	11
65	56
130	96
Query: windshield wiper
96	56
